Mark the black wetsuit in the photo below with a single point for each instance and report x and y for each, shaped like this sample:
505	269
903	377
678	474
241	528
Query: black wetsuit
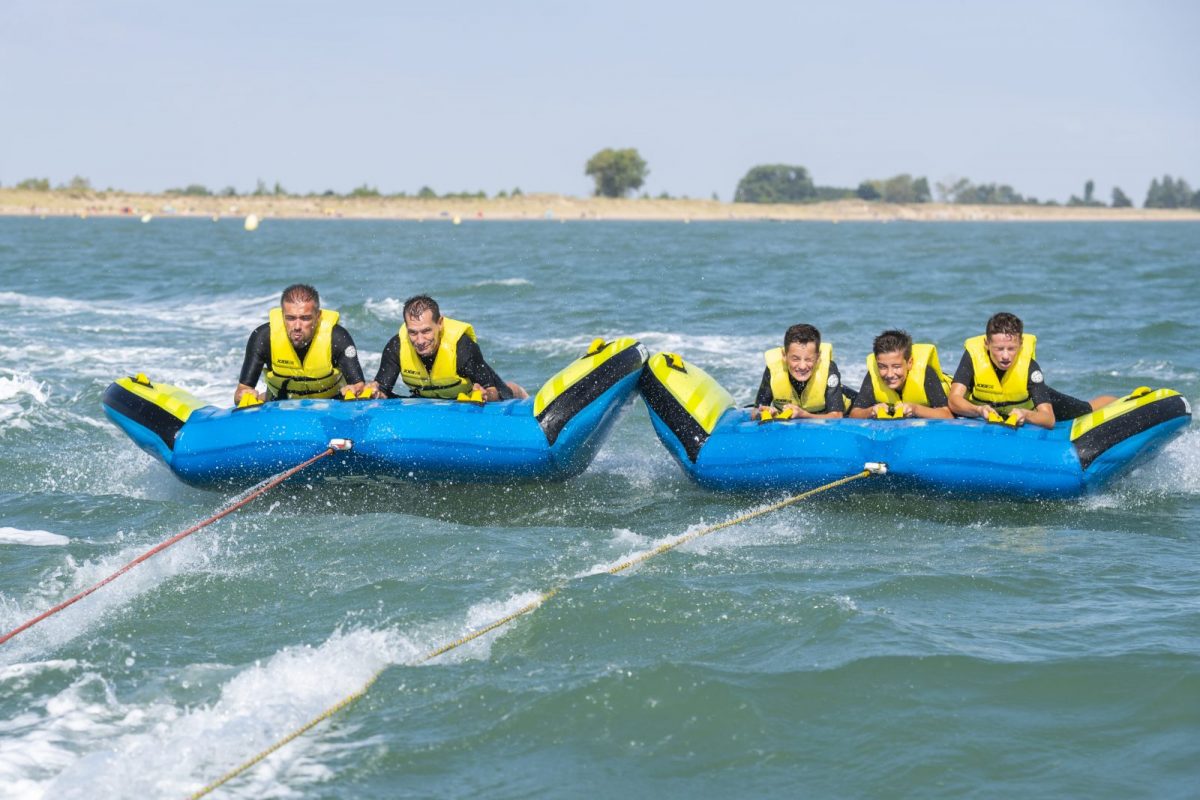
933	392
258	355
834	391
1065	407
470	365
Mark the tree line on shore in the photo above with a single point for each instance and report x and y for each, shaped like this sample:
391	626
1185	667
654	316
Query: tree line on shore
621	172
617	173
80	186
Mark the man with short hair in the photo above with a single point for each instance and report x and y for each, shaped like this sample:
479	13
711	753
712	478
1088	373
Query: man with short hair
438	357
301	351
998	375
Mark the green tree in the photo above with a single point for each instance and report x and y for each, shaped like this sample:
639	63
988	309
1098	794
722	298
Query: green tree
867	190
964	192
364	191
775	183
77	184
426	193
1119	199
35	184
193	190
279	191
1170	193
616	172
229	191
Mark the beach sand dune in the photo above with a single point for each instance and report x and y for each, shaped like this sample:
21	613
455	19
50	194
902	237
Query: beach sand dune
556	207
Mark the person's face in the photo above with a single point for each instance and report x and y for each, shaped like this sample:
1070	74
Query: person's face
424	333
893	368
300	320
801	358
1003	349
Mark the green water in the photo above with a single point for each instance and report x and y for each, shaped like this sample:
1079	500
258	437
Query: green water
853	645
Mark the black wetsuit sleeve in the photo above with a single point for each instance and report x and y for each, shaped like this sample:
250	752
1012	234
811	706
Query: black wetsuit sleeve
933	389
258	355
866	394
472	367
345	355
764	396
965	374
389	366
833	393
1038	391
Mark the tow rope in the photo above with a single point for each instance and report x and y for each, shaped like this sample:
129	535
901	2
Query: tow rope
335	445
869	469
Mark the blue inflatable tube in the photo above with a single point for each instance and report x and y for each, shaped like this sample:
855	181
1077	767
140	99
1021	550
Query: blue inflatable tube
551	436
720	447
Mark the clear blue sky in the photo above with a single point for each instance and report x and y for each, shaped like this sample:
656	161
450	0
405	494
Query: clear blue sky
468	96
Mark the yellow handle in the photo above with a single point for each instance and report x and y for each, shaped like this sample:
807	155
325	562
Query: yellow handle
249	399
476	396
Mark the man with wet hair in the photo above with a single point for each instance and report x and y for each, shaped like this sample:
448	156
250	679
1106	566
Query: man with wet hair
438	357
801	377
301	352
999	376
903	380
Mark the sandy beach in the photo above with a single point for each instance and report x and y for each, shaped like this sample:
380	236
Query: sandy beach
15	202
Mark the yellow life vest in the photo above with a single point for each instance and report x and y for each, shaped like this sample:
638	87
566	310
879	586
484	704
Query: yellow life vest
1009	393
813	398
443	380
316	377
924	356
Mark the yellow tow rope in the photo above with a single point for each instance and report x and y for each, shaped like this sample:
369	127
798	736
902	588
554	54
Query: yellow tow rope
868	470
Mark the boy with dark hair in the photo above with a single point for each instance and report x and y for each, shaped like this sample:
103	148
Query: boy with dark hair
998	375
903	380
801	377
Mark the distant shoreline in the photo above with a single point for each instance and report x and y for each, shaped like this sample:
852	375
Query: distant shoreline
21	203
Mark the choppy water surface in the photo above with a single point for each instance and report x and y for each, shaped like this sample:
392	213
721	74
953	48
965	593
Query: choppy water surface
856	645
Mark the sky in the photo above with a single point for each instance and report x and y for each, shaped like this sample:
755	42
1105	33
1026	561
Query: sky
485	96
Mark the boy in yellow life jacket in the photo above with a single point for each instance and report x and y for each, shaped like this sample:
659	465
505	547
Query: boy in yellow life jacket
301	351
899	384
998	374
438	357
802	377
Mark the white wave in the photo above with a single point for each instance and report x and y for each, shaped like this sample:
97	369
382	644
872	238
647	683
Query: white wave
213	314
210	374
1174	470
71	577
162	749
1164	372
503	282
388	308
15	384
31	538
21	673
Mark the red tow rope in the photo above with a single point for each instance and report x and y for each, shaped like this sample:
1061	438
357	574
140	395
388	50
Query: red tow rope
337	444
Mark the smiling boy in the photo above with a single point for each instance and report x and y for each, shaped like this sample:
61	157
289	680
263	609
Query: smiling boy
903	380
802	377
998	374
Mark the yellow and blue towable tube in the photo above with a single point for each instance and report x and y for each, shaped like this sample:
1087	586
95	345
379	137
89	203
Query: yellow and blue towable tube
721	447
